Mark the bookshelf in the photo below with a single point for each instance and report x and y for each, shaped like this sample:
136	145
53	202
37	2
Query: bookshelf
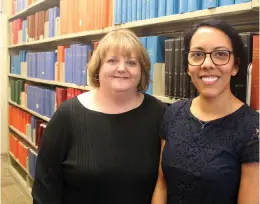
23	136
244	17
244	12
29	111
33	8
56	83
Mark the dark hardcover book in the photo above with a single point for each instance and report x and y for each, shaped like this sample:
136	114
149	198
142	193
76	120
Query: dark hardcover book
181	67
167	61
171	68
177	62
239	82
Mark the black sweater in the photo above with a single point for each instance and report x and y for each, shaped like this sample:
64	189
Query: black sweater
96	158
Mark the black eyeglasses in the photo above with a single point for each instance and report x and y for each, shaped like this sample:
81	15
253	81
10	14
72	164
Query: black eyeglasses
218	57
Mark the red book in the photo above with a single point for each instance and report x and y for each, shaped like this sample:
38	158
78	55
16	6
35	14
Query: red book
61	95
254	103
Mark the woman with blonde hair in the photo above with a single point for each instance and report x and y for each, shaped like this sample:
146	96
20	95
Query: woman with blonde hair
104	146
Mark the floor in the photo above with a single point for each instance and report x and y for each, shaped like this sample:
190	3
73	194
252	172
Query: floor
11	191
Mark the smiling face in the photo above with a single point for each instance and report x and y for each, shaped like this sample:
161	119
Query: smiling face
210	79
120	72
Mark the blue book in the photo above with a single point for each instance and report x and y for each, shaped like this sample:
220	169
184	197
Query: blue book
139	10
70	65
53	59
226	2
78	64
162	8
211	3
83	68
44	65
118	12
53	101
147	10
47	67
183	6
194	5
241	1
45	99
144	42
66	64
56	13
155	49
134	10
143	9
50	22
153	8
124	10
129	11
204	4
172	7
73	63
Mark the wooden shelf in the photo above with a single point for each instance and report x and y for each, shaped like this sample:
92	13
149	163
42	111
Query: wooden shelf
35	7
30	111
19	178
239	15
17	161
255	4
57	83
22	135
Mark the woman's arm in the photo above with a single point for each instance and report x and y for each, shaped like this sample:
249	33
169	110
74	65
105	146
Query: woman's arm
160	193
47	185
249	184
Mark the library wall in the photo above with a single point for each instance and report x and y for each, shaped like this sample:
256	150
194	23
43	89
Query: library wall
4	63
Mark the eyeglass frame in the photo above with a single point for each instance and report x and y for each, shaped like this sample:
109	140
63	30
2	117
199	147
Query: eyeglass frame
206	53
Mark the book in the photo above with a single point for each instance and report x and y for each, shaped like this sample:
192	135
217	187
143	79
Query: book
254	102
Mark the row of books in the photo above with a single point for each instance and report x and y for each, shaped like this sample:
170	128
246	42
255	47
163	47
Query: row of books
81	15
134	10
42	24
25	155
27	124
19	118
40	99
19	5
69	64
72	16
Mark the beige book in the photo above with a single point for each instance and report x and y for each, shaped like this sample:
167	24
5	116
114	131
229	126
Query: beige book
57	26
157	79
56	71
46	29
24	69
62	72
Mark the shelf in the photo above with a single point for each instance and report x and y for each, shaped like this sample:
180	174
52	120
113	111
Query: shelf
255	4
57	83
21	180
35	7
166	99
239	15
22	135
30	111
17	161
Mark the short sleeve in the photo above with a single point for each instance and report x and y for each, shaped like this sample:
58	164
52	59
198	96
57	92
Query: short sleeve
250	150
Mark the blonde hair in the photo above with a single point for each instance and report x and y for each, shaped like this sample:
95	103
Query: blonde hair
127	43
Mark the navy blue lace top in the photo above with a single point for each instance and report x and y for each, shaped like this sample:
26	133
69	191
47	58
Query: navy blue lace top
203	166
